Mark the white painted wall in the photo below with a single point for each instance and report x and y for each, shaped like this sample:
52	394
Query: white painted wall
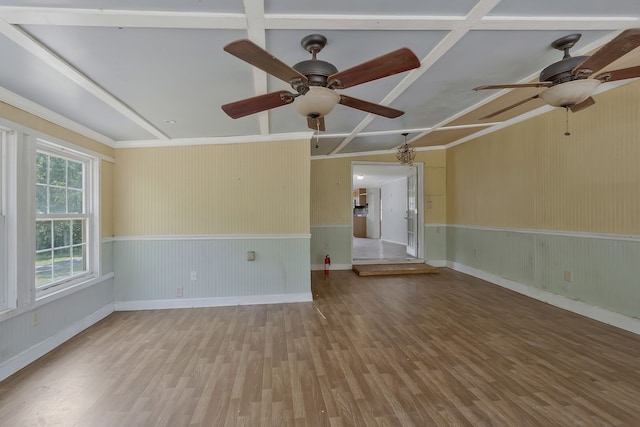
373	217
393	200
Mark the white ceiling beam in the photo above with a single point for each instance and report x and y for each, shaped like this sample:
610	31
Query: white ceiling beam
360	22
58	64
254	11
120	18
207	20
553	23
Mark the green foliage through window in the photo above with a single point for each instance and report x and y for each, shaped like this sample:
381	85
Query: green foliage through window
61	240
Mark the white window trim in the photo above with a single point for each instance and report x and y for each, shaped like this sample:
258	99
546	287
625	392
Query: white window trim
92	198
10	213
19	192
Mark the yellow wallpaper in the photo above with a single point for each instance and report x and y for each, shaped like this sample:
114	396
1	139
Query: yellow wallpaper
252	188
532	176
17	115
106	198
331	202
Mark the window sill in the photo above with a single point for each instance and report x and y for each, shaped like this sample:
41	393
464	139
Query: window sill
51	296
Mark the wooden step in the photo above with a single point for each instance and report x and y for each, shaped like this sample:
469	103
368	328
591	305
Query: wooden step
389	269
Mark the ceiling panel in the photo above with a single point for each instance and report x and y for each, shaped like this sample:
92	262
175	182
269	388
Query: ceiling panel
374	143
323	146
567	8
166	75
29	77
444	137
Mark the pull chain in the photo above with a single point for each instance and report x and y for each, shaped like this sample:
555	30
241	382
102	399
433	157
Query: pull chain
567	133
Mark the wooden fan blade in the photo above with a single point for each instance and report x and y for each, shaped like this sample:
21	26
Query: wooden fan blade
383	66
524	101
260	58
316	124
257	104
370	107
514	85
616	48
582	105
621	74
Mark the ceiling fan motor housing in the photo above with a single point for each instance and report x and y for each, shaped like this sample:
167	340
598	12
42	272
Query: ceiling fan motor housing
561	71
316	71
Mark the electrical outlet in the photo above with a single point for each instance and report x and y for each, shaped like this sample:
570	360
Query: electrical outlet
326	245
193	275
568	277
251	255
179	292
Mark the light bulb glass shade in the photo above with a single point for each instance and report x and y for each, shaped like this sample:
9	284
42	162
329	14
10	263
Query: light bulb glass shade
569	93
318	102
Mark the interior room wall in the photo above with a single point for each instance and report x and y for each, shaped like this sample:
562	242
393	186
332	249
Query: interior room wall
373	213
36	327
187	217
553	216
394	210
331	207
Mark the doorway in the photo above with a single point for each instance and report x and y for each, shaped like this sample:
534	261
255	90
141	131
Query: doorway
387	213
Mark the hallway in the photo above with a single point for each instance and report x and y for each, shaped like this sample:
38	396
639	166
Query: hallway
376	250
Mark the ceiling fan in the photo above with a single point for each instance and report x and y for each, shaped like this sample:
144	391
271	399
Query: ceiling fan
571	81
314	81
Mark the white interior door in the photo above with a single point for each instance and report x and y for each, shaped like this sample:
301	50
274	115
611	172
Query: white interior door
412	213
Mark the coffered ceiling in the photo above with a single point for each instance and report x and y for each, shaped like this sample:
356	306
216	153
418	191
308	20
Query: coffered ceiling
144	73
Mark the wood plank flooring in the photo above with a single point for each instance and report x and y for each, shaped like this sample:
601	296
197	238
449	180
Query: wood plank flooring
419	350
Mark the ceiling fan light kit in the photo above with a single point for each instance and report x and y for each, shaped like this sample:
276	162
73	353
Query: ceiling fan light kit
569	93
317	102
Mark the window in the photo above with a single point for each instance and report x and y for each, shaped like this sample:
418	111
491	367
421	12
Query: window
63	217
3	236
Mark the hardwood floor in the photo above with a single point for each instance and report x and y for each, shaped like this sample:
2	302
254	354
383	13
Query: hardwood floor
419	350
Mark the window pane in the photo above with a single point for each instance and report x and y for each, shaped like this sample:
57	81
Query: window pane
41	168
79	259
44	268
58	200
43	235
62	234
75	201
74	174
77	237
61	263
41	199
57	171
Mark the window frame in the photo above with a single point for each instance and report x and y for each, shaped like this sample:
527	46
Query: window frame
90	216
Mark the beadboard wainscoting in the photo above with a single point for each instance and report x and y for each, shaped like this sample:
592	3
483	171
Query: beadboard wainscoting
596	275
435	244
35	332
332	240
155	272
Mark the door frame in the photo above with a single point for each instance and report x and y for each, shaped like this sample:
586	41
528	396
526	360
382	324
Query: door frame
419	166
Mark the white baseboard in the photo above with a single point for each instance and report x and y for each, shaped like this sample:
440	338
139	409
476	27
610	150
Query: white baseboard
316	267
19	361
437	262
596	313
211	302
